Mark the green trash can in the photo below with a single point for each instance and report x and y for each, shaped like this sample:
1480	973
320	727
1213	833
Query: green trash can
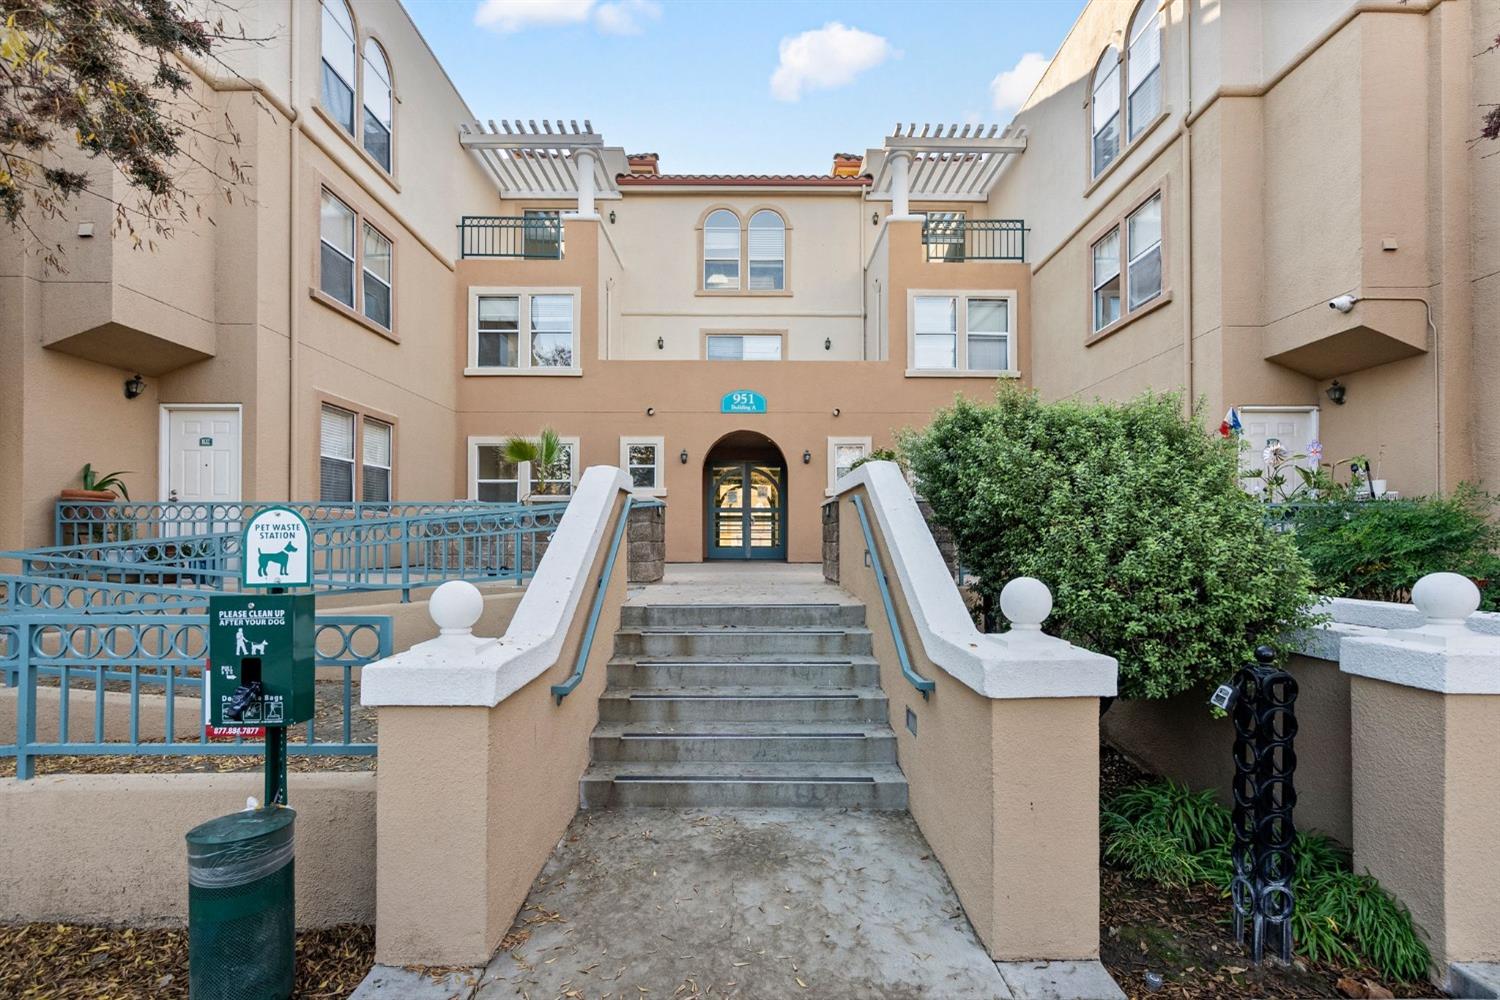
242	931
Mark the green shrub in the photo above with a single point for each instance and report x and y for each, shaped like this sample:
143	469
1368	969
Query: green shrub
1132	514
1376	550
1168	834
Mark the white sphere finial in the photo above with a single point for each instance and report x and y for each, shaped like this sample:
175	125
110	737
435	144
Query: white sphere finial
1026	602
1445	598
455	607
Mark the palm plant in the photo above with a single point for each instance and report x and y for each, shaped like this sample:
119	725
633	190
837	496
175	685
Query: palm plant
109	481
548	457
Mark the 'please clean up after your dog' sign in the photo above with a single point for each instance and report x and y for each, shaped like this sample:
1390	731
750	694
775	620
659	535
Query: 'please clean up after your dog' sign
277	550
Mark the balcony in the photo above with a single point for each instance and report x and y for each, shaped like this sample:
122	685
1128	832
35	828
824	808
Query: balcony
959	240
531	237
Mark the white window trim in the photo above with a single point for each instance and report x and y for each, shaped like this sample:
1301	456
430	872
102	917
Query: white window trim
471	364
961	350
833	446
524	484
660	444
780	335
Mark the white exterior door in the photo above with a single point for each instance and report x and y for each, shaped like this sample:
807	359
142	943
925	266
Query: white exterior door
1295	427
202	461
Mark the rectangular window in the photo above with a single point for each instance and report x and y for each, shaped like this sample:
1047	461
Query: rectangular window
377	276
936	330
336	250
743	347
495	480
721	258
375	462
1143	228
541	233
642	460
988	335
767	245
842	454
336	456
559	480
1107	279
552	331
498	336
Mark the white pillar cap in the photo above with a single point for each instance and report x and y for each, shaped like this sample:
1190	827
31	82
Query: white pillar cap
1025	602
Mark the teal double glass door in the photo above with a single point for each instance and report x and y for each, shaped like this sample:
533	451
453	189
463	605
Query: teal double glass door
746	511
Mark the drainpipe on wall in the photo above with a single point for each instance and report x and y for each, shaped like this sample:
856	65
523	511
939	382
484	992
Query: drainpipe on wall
1187	214
293	198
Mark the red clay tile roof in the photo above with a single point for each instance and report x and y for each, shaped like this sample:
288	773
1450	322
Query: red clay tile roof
740	180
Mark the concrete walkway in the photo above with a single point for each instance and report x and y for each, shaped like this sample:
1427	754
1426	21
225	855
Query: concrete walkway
762	903
740	583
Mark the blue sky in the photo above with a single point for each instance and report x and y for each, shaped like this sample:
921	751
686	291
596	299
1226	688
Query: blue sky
744	87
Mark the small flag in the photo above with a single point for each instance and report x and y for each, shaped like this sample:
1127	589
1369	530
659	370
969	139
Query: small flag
1231	423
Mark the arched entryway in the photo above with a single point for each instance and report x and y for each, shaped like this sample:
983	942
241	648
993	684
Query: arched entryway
744	498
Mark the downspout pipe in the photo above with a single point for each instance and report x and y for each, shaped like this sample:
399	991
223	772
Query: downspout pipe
1187	213
293	205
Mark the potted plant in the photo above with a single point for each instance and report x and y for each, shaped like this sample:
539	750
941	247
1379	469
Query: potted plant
97	488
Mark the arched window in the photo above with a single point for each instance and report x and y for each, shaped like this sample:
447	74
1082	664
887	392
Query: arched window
338	62
721	251
1104	111
378	104
1143	68
767	252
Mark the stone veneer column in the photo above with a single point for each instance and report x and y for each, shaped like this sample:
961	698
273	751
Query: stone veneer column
647	538
1425	723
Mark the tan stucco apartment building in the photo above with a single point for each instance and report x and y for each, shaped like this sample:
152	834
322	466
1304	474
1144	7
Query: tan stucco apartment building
403	287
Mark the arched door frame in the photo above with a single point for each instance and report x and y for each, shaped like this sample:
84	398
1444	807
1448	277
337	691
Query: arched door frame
755	455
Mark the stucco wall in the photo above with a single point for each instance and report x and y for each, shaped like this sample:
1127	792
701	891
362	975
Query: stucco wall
109	848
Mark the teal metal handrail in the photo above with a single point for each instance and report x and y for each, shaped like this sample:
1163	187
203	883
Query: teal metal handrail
601	587
919	682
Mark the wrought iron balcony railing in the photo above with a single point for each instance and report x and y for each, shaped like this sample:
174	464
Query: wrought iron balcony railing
956	240
533	237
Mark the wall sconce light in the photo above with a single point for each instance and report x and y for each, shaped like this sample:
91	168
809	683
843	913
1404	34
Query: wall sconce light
134	386
1337	392
806	457
827	343
661	343
611	217
874	218
683	457
650	411
835	411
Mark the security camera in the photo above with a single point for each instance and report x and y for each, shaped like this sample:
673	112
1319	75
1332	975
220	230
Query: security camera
1344	303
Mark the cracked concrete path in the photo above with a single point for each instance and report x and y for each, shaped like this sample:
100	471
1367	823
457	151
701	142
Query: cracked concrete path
673	904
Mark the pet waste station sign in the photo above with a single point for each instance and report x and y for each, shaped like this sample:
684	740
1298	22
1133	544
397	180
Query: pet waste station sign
277	550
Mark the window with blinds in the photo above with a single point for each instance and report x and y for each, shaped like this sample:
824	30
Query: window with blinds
378	105
375	462
744	347
1143	69
337	45
336	249
336	456
767	252
721	251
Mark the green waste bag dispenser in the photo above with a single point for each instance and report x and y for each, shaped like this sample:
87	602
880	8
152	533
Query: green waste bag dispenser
262	656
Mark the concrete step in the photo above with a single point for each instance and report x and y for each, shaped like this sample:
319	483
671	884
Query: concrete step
745	671
743	704
702	784
709	641
732	615
748	742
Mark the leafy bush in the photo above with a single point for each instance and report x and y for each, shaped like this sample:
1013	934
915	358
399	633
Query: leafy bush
1132	514
1168	834
1376	550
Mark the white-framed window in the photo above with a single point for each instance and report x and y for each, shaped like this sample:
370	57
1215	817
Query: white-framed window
1107	279
376	265
843	452
644	461
968	332
721	251
1143	69
494	480
1104	112
378	104
336	249
375	461
336	455
523	331
742	346
1143	233
337	46
767	251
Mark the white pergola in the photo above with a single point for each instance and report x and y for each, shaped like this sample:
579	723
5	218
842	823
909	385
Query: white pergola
940	163
528	161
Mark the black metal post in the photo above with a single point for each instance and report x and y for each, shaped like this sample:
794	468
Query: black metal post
1265	723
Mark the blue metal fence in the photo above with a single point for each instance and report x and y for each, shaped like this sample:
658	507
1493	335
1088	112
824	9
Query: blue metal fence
112	661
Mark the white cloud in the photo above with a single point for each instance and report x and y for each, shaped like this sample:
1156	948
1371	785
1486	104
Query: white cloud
830	56
625	17
618	17
1009	90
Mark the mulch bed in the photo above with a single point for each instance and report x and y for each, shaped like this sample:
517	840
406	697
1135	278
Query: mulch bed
74	962
1185	936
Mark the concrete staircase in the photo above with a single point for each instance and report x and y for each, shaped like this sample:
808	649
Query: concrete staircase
743	705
